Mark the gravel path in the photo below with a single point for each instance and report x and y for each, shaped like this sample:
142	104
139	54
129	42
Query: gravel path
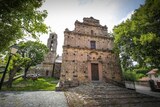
33	99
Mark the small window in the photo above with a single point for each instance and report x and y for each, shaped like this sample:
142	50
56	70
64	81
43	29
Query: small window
47	72
93	44
91	32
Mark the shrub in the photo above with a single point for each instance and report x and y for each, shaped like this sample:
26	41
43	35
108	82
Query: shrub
142	70
129	76
132	75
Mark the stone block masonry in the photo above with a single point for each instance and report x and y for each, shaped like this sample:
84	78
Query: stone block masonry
88	55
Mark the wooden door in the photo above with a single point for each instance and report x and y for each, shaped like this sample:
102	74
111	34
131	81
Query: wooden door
94	71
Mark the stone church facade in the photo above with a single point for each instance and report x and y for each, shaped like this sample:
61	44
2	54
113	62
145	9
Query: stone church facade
88	54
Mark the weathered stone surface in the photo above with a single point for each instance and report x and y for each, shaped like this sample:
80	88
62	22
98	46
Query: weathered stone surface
97	94
46	67
88	44
57	67
50	58
52	42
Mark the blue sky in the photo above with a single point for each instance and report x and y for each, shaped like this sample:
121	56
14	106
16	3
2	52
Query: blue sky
63	13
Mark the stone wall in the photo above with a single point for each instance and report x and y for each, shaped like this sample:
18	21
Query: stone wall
57	70
78	56
74	39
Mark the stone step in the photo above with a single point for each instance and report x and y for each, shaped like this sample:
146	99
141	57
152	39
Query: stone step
121	96
137	104
124	97
123	101
115	94
108	95
145	104
103	86
98	97
110	89
119	92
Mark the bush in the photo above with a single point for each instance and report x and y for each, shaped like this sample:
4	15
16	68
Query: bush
142	70
132	75
129	76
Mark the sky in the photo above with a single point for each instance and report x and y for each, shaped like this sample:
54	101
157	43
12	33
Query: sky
62	14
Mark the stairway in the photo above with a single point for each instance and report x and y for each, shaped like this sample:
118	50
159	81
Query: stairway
97	94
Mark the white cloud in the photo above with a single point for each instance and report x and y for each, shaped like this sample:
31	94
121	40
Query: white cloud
128	16
63	13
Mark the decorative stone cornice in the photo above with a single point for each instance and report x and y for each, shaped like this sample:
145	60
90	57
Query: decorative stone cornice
80	48
88	35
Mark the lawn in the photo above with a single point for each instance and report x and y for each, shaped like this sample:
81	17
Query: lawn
41	84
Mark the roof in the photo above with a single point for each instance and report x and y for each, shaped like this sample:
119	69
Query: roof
153	71
59	59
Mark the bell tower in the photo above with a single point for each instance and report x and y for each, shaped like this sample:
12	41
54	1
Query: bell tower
50	57
52	42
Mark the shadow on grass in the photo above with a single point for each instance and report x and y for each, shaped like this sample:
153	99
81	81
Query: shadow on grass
41	84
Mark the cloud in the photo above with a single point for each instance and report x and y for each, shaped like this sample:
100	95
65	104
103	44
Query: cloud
128	16
63	13
84	2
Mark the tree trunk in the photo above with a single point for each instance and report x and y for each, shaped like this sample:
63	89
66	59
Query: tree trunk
11	76
25	72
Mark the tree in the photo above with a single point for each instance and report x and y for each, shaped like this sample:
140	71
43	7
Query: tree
138	39
1	60
33	50
29	54
20	18
16	65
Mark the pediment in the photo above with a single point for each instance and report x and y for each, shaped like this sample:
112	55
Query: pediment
93	52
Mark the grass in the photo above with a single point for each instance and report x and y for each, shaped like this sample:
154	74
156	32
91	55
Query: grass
41	84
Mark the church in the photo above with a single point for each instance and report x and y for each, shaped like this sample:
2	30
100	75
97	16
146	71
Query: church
88	55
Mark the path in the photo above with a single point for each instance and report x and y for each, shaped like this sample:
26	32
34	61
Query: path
32	99
146	90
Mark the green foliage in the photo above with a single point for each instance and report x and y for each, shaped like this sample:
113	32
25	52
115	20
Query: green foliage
33	50
17	61
29	54
20	18
142	71
1	60
45	84
129	76
132	75
138	39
